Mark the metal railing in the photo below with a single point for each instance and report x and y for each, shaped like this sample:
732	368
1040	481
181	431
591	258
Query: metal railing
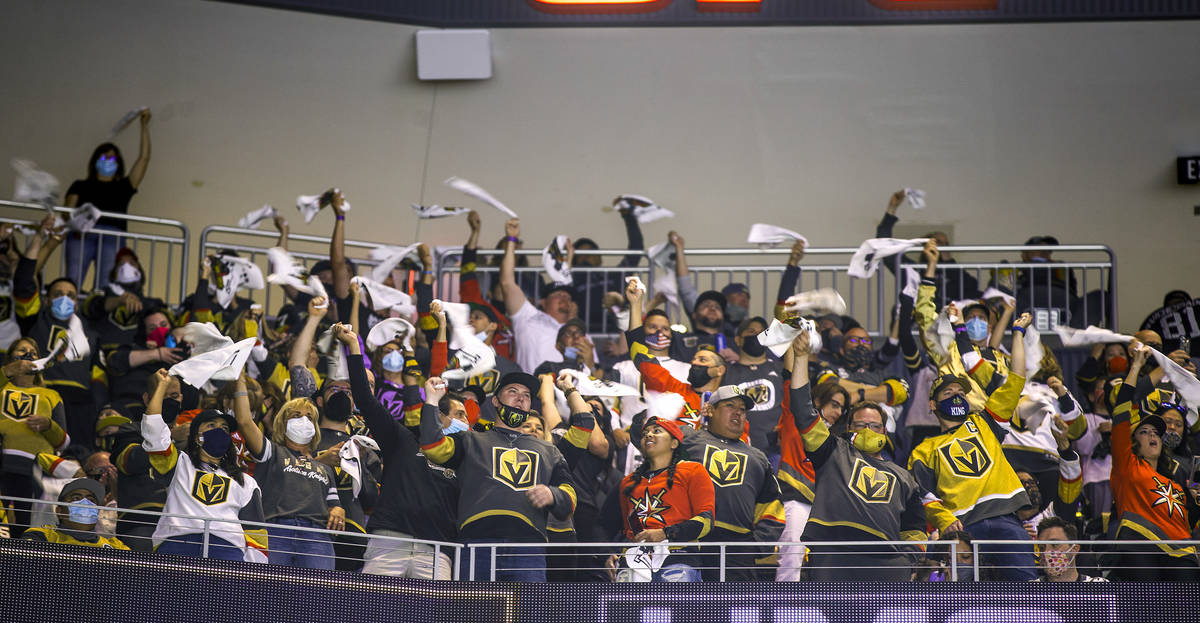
163	256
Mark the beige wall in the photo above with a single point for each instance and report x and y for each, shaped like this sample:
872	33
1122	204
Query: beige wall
1069	129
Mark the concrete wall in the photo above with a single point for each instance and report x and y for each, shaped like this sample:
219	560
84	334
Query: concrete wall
1013	130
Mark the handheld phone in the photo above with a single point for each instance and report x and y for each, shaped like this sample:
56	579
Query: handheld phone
1185	344
170	342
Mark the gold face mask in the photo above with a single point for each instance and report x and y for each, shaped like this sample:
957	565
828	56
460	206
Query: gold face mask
250	328
869	441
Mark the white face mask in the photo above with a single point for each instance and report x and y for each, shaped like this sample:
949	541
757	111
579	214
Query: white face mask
128	274
482	335
300	430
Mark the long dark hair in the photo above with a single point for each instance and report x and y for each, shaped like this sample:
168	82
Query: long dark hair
100	150
644	469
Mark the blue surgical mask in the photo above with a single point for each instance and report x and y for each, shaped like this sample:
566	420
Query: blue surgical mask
393	361
62	307
456	426
482	336
977	328
106	166
570	352
86	515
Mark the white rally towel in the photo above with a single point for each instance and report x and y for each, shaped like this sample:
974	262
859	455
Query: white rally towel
286	271
335	356
222	364
33	185
589	386
821	302
779	336
914	197
663	256
1033	352
385	298
912	282
83	218
643	561
77	346
993	293
437	211
459	317
253	218
871	252
204	337
125	121
474	190
235	273
554	260
389	330
667	406
309	205
770	235
351	457
644	208
470	360
1184	382
48	360
389	257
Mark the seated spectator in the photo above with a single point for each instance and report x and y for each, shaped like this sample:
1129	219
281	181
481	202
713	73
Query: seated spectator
77	524
1058	560
668	498
961	558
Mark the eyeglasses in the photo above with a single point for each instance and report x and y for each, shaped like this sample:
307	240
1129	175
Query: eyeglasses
875	426
862	341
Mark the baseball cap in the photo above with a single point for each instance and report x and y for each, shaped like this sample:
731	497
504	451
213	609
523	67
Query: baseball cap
710	295
735	288
87	484
949	379
730	392
519	378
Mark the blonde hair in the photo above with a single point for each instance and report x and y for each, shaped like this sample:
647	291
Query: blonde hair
304	407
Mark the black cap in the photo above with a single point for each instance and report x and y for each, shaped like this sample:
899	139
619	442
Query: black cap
710	295
87	484
1176	296
1159	424
486	311
519	378
559	288
1042	240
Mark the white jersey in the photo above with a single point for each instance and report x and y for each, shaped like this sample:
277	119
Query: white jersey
633	405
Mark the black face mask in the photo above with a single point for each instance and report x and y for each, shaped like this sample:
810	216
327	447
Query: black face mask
511	416
25	357
858	357
752	347
955	408
698	375
170	410
105	443
338	406
830	342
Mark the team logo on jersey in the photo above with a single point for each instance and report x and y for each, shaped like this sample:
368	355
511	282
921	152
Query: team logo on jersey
1169	496
650	506
486	381
123	319
691	417
18	405
966	457
871	483
515	467
761	392
725	467
56	333
210	488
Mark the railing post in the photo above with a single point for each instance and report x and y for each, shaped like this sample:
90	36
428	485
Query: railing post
458	554
471	571
722	567
204	547
493	549
953	561
975	559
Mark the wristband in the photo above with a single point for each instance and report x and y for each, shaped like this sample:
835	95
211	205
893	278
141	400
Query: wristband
513	239
960	328
569	391
928	281
1021	329
341	217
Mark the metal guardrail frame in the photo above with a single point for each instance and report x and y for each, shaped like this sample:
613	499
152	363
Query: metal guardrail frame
156	282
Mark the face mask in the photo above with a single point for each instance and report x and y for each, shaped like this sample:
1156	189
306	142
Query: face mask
511	416
393	361
868	441
338	406
571	353
159	335
215	441
300	430
1118	365
1057	563
752	347
249	328
658	341
735	313
86	515
106	166
955	408
858	357
128	274
456	426
63	307
698	375
482	336
1171	440
831	342
26	357
170	409
977	329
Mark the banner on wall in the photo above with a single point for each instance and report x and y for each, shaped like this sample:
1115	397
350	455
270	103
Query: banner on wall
524	13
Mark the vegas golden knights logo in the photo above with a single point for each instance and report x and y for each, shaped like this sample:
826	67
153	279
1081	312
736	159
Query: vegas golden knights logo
123	319
56	333
870	483
486	381
18	405
210	488
966	457
759	392
515	467
725	467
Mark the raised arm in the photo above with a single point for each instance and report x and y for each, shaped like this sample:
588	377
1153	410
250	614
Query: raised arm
791	275
633	233
246	424
317	307
355	303
635	296
514	298
138	171
337	247
998	331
